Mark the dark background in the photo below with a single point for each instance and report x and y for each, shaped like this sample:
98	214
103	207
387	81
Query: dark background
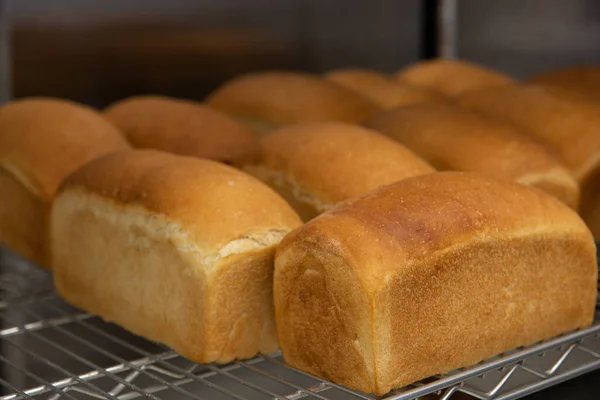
98	51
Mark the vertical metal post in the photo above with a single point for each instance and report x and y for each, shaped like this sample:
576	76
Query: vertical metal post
448	28
5	54
5	94
439	29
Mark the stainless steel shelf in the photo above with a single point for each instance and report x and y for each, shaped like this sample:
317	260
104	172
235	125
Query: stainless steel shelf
51	350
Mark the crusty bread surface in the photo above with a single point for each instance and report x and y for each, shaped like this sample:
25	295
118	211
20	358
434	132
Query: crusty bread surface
382	89
452	138
270	99
430	274
177	249
314	166
582	78
183	127
42	140
452	77
569	127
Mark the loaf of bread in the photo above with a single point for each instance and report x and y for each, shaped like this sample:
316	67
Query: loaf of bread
177	249
183	127
584	79
452	77
383	90
430	274
452	138
570	128
42	140
267	100
314	166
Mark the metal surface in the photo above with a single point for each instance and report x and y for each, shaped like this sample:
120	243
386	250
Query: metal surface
523	38
51	350
448	28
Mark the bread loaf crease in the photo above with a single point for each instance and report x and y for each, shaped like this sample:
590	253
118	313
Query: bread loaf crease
315	166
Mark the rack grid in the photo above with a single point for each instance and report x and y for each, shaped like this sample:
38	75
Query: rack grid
51	350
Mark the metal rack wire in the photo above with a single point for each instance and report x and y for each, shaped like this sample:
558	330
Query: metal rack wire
51	350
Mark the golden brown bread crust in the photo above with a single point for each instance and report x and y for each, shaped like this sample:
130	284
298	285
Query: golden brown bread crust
267	100
570	128
183	127
188	191
317	165
382	89
358	76
427	275
177	249
452	138
452	77
584	79
42	140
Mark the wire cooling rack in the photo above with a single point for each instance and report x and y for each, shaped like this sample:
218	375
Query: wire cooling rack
53	351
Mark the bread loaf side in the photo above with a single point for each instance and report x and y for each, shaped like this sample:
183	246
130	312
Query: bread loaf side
42	140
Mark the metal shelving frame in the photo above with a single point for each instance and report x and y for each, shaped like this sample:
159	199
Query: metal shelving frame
51	350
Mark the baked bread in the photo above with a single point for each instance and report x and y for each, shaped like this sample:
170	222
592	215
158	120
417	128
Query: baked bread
42	140
314	166
183	127
177	249
451	138
452	77
383	90
583	78
430	274
570	128
267	100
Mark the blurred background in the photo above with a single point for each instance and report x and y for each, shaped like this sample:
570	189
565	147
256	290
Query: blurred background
97	51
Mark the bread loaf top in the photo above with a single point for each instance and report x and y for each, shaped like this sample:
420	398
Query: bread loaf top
451	77
221	208
335	161
570	128
42	140
426	216
271	99
583	78
359	76
183	127
452	138
383	90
